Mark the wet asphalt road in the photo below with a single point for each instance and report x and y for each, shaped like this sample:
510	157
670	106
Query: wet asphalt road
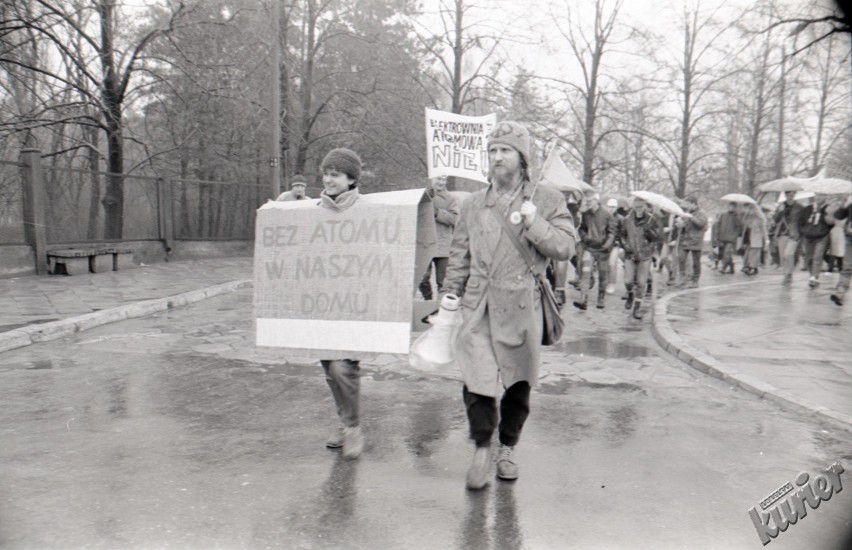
172	431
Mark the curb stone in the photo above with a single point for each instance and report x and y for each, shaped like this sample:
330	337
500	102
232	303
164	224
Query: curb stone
669	340
44	332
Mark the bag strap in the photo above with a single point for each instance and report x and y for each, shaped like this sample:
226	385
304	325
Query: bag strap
525	253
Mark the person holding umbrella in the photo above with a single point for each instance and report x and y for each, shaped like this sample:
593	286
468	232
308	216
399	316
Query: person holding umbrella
787	234
815	224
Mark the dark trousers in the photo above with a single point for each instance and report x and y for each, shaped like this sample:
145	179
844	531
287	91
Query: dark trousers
696	263
482	414
440	272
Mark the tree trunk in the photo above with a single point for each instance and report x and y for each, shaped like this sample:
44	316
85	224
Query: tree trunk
113	200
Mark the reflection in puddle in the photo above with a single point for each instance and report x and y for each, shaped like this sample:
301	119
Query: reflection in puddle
598	346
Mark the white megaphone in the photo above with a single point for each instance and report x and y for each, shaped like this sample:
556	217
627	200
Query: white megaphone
435	346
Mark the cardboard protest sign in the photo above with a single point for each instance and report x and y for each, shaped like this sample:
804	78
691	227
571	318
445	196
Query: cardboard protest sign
331	284
456	145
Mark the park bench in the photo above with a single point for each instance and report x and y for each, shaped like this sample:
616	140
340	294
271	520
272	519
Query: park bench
77	261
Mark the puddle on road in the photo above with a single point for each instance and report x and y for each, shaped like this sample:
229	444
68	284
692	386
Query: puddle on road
561	387
47	364
597	346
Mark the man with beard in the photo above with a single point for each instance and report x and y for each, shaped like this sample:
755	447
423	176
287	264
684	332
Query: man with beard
499	342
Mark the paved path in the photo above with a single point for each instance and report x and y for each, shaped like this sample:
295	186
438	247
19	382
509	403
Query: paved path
173	430
790	345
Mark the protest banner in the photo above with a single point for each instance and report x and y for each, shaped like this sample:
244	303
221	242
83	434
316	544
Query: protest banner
456	145
331	284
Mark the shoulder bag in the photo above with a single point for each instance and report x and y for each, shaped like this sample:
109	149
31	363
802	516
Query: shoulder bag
553	323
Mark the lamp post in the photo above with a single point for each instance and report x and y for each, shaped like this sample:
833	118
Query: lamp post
275	145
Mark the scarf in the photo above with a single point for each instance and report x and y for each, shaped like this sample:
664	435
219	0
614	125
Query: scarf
504	202
340	202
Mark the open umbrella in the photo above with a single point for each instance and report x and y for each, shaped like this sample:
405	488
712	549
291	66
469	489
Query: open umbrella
828	186
782	185
738	197
659	201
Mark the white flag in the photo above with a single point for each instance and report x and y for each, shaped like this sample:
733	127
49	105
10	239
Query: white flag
555	174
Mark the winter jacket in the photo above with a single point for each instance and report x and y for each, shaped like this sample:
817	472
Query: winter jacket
692	233
446	208
727	229
597	230
786	219
496	286
638	235
814	223
841	214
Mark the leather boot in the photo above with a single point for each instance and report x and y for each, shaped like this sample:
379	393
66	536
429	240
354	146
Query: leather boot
637	305
629	303
601	298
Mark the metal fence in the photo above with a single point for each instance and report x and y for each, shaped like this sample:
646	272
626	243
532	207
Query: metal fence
74	210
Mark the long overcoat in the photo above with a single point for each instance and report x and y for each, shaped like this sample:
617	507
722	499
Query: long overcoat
500	336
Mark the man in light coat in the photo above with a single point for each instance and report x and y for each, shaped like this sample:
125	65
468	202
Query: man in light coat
446	210
500	337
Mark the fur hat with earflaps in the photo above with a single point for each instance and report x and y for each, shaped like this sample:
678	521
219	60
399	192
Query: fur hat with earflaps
343	160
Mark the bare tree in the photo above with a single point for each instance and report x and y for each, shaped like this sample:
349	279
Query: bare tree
57	25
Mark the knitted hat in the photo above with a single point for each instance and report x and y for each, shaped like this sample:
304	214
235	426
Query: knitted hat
512	134
298	179
343	160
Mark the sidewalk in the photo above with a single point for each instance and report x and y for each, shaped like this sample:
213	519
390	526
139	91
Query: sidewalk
35	309
789	345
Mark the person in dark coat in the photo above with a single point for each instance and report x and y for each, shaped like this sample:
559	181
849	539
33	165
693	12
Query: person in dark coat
498	348
724	235
844	215
597	228
815	224
446	210
691	239
638	234
786	233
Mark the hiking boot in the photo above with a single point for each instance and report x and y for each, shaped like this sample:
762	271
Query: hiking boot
353	442
629	303
637	305
506	468
477	474
335	441
601	300
837	299
580	305
813	282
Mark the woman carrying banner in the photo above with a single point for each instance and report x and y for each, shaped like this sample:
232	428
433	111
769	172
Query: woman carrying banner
341	169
